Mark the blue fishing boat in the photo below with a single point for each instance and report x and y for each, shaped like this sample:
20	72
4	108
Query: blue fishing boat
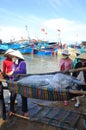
42	52
14	45
46	51
46	48
26	50
26	47
3	47
23	47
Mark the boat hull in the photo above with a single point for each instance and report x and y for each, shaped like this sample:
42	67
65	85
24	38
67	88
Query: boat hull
26	50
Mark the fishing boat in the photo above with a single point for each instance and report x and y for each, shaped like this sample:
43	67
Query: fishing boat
46	48
3	47
52	45
26	47
42	52
45	51
23	47
26	50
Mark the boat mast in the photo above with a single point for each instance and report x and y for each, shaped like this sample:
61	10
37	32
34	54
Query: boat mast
27	32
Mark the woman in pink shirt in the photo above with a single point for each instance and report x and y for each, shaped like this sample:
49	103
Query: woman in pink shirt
66	63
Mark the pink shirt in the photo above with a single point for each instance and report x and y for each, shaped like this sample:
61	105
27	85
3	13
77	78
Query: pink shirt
66	64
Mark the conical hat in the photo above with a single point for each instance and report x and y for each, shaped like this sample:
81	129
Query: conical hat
17	54
8	52
65	52
81	56
78	52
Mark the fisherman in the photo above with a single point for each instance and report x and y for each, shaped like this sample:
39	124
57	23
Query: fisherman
76	60
7	64
66	63
81	75
7	68
20	68
14	64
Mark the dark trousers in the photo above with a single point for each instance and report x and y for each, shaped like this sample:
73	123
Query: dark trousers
2	103
85	123
24	102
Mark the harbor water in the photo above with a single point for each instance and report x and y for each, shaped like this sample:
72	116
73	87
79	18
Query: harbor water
39	64
42	63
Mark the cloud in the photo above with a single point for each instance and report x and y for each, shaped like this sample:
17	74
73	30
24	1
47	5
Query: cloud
7	33
70	31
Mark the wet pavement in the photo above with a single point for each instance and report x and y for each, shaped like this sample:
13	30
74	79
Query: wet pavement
18	123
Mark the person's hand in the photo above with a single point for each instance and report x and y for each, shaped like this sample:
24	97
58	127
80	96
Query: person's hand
10	73
17	68
1	74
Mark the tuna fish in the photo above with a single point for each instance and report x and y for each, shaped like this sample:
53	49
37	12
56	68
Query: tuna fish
54	80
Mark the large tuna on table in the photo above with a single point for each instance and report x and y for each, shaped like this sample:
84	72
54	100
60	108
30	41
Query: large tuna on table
54	87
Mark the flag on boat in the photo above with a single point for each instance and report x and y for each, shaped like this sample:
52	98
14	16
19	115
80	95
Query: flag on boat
43	30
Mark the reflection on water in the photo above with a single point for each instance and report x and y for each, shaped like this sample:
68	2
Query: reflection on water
39	64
